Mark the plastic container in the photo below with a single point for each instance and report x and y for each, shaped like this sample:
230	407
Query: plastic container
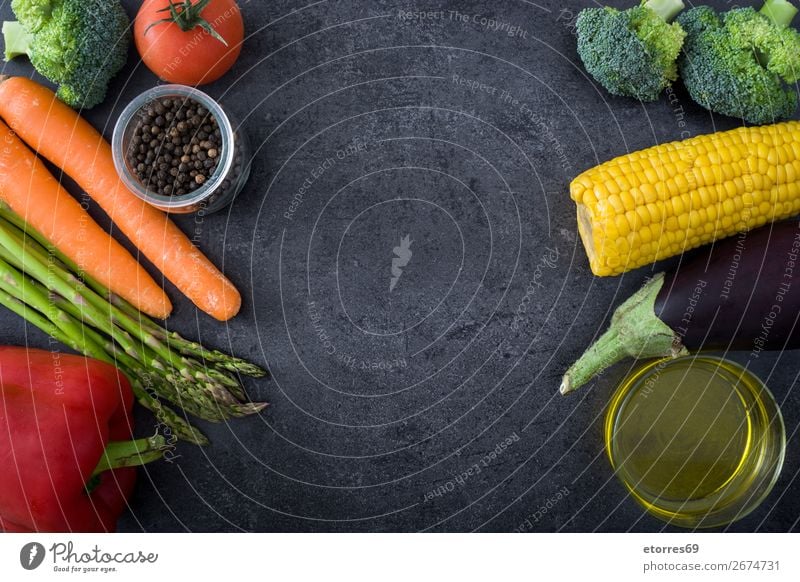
698	441
224	184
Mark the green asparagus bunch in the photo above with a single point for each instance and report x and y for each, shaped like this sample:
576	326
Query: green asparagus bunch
44	287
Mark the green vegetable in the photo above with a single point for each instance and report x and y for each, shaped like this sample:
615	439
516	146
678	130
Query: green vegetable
42	286
17	41
78	44
742	63
632	52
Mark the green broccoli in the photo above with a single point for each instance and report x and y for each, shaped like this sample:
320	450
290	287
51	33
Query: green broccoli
743	63
78	44
632	52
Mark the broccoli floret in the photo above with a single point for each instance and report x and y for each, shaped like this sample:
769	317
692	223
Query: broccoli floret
78	44
632	52
741	64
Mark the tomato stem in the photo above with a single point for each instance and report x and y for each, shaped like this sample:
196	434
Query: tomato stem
188	17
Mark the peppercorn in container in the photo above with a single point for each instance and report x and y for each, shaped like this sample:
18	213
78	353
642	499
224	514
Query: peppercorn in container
177	149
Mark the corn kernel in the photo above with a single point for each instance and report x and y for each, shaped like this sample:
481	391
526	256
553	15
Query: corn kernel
791	173
648	193
623	226
672	223
616	203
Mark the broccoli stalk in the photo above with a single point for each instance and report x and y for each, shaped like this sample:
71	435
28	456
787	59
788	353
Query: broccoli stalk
668	10
780	12
78	44
632	52
18	41
742	63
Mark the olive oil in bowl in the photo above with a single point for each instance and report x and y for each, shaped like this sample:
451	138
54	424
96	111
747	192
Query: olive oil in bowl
698	441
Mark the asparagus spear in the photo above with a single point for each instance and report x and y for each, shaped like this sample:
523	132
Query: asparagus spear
88	318
142	323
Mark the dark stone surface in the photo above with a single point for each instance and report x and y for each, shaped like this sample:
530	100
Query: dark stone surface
378	397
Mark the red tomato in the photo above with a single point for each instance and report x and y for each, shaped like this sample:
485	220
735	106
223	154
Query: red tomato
180	50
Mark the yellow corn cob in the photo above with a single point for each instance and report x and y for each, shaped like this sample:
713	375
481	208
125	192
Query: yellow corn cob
656	203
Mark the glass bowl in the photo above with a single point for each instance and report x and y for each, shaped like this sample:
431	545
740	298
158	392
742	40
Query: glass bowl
698	441
225	183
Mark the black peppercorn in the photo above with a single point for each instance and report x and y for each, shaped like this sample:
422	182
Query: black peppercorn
175	146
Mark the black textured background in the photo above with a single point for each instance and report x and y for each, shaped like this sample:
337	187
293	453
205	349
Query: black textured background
381	398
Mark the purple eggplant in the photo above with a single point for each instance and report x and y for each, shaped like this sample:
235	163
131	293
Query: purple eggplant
742	293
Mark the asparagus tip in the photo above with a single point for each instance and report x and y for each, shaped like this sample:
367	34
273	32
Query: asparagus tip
250	408
195	437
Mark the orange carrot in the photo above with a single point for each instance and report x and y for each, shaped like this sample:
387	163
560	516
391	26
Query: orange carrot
62	136
31	191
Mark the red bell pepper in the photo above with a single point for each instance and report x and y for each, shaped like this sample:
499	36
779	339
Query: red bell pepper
65	464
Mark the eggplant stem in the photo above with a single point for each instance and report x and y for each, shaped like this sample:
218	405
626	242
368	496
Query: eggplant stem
608	349
635	331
